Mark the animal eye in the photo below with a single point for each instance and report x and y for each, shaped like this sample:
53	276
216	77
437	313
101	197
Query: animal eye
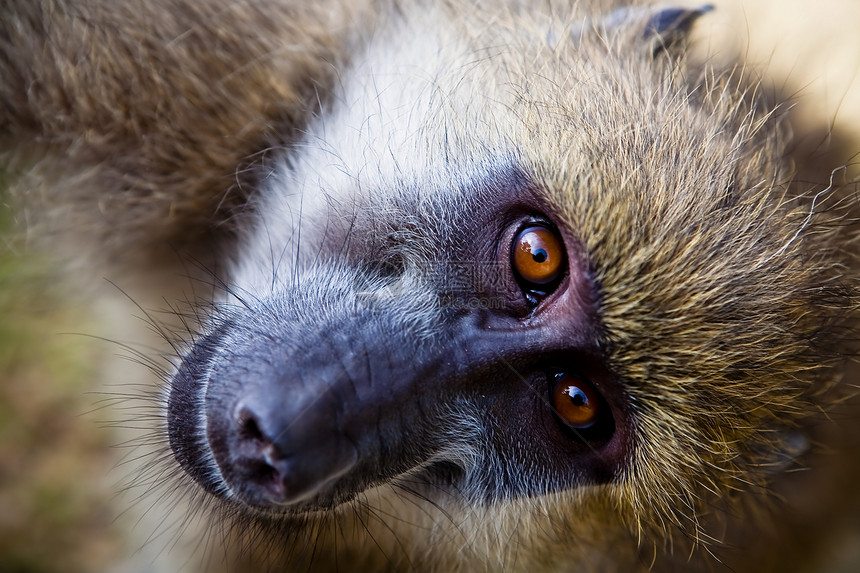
575	401
538	256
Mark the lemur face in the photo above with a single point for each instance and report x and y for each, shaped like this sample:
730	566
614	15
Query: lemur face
534	275
456	349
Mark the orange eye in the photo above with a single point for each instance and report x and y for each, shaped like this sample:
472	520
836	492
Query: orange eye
575	401
538	255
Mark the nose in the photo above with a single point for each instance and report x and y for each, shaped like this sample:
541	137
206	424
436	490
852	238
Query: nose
280	451
277	425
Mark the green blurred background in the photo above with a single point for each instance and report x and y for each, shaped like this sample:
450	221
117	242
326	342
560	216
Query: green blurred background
56	455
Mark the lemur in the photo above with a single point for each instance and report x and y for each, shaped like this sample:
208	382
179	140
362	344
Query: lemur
502	285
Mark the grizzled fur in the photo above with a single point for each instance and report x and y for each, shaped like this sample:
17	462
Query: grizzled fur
355	164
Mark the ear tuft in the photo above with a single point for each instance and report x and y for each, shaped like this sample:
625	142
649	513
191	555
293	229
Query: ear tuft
665	27
668	26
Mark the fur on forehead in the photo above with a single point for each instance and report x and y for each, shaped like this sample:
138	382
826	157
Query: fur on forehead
431	101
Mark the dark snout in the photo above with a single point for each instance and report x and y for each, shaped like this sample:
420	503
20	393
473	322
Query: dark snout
295	411
289	422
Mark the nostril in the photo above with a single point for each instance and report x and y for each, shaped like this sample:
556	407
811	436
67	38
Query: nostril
266	477
255	459
249	427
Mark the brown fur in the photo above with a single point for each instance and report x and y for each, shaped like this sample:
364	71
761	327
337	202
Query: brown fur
150	114
726	286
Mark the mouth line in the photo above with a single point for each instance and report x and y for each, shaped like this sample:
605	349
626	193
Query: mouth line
434	479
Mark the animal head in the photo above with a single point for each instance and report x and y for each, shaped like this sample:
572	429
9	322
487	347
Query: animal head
516	276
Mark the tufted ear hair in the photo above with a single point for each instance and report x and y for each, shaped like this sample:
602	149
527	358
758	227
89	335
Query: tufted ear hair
665	27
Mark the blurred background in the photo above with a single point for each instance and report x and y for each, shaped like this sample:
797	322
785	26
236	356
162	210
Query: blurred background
59	473
56	457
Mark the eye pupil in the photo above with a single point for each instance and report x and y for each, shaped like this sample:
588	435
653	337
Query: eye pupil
576	396
540	256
